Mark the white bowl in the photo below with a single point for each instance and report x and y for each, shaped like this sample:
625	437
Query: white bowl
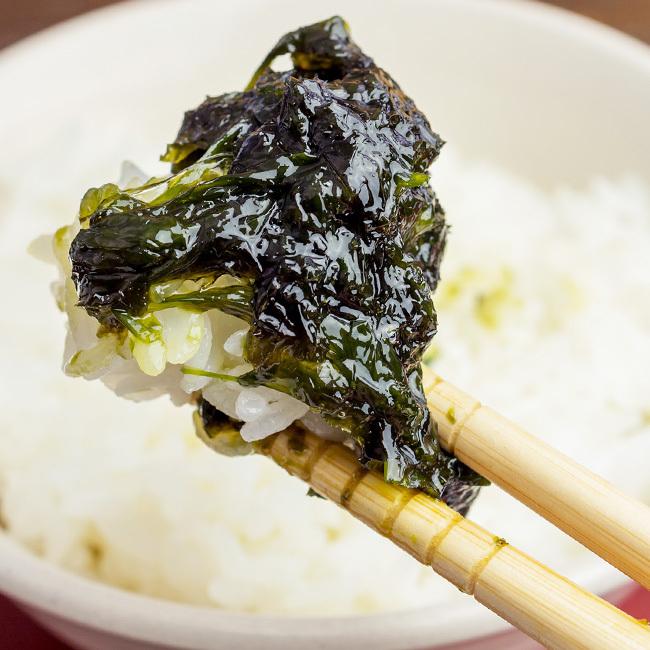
554	96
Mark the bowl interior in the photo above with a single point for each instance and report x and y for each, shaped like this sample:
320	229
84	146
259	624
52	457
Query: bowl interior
557	98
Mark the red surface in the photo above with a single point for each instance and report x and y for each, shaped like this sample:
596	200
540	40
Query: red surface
18	632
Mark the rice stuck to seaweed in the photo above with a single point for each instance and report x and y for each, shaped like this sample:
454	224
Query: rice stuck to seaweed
210	344
285	265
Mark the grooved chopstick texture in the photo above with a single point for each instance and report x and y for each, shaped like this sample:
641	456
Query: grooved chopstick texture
571	497
535	599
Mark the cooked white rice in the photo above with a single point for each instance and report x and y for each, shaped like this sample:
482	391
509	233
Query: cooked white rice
189	342
544	313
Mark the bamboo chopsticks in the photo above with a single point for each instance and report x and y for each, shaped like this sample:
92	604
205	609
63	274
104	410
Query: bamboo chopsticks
538	601
541	603
577	501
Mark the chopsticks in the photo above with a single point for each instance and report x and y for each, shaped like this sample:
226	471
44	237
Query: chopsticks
544	605
577	501
541	603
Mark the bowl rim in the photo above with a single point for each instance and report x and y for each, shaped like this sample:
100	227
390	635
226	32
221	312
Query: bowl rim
29	580
38	585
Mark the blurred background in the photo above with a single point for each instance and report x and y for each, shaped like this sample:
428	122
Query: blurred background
20	19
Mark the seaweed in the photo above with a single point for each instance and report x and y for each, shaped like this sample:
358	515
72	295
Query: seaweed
311	187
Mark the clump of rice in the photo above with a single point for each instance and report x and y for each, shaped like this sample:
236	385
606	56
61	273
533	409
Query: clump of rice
544	314
183	360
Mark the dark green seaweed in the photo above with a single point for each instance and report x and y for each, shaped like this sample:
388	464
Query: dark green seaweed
326	213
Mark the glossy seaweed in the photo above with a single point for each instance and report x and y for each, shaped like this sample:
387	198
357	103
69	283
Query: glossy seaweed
311	187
